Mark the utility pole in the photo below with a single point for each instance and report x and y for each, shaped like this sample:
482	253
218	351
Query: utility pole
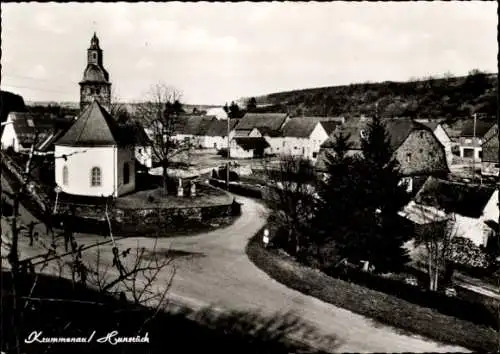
474	151
228	149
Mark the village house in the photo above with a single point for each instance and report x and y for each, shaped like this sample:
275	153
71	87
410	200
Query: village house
472	137
416	149
469	210
217	112
244	147
216	136
23	129
490	165
193	128
438	129
304	136
269	126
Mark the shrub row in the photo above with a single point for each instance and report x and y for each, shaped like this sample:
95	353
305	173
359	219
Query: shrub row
452	306
245	190
384	307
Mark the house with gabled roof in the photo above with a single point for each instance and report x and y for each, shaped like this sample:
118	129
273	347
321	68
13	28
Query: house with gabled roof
95	156
268	125
469	210
490	149
303	137
216	135
23	129
436	125
472	137
193	128
244	147
415	147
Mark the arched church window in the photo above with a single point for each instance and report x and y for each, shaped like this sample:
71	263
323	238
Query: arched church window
126	173
94	55
65	175
95	177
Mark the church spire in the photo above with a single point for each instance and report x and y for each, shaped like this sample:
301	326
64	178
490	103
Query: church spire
95	84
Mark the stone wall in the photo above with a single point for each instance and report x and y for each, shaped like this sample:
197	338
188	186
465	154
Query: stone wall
135	222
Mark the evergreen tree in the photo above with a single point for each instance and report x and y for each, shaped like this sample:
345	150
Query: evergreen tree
251	104
384	196
339	193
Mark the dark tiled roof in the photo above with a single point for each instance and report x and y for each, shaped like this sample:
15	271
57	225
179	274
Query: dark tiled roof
299	127
266	131
462	199
27	125
251	143
352	128
330	126
493	131
219	127
194	125
96	127
397	128
490	149
482	127
273	121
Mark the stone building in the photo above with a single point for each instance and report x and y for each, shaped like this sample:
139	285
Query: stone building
95	84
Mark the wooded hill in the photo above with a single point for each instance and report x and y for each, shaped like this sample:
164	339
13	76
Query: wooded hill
447	97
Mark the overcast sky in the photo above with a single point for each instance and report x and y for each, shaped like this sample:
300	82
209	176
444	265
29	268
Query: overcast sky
216	52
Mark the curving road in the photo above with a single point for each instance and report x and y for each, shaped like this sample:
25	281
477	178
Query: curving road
213	269
216	271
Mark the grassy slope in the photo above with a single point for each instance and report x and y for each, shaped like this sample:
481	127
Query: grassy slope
382	307
445	97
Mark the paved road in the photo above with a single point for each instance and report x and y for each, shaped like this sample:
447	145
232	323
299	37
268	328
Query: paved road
216	271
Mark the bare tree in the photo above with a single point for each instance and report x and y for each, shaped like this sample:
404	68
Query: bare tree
292	197
136	273
161	114
435	236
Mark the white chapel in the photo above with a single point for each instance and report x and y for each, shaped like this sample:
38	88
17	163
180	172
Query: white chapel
96	156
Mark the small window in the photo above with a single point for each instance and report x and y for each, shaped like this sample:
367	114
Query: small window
94	55
65	175
139	150
97	91
408	157
126	173
480	153
362	133
95	177
315	154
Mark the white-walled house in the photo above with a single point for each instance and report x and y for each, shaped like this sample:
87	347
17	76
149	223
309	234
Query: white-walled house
248	147
469	209
472	137
23	129
99	156
303	137
216	135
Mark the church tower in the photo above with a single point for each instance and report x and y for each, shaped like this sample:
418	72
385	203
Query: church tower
95	84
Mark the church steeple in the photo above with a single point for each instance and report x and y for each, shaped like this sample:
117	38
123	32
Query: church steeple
95	84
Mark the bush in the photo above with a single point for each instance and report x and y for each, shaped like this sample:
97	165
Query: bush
387	309
222	152
463	251
456	307
237	188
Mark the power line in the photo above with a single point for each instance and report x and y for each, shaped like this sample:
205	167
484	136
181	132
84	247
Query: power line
35	89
